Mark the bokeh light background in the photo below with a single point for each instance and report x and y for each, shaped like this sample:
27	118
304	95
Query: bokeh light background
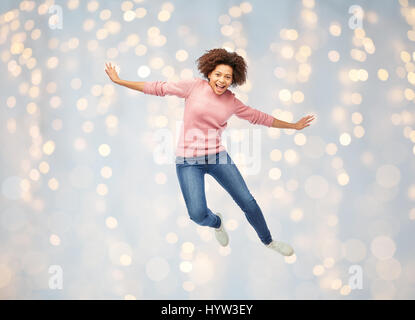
81	188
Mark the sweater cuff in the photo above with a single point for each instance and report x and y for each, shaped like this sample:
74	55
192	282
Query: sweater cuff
269	121
147	88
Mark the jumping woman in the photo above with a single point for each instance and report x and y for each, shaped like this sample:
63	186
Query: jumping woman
208	106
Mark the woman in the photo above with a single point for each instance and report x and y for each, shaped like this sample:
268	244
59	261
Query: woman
208	106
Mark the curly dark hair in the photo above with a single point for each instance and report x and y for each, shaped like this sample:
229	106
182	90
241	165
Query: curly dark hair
208	62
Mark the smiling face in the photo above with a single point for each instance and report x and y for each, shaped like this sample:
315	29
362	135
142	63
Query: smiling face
220	78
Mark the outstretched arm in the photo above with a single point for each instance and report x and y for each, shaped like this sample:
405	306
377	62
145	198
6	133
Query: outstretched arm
299	125
179	88
112	73
255	116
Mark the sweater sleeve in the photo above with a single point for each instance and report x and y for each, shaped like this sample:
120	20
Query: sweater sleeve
254	116
180	88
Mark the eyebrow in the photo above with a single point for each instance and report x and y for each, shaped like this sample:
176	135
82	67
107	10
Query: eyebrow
228	74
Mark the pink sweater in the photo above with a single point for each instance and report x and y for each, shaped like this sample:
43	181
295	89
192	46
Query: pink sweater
205	114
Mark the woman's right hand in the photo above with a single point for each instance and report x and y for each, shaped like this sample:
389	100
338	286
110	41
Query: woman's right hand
111	72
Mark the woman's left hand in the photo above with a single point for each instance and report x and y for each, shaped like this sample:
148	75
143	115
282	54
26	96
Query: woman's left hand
303	122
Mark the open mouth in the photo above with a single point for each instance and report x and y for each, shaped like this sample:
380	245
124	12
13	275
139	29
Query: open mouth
220	88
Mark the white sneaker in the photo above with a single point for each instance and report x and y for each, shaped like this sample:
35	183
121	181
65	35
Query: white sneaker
220	233
281	247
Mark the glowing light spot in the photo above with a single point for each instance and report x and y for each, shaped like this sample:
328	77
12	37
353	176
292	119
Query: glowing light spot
53	184
188	286
383	74
405	56
235	12
188	247
125	260
335	29
49	147
226	30
291	157
318	270
383	247
54	240
182	55
276	155
343	179
345	139
52	62
171	237
336	284
93	6
129	16
334	56
345	290
287	52
82	104
111	223
104	150
143	71
296	215
298	96
275	174
44	167
328	262
246	7
140	12
105	14
106	172
164	15
11	102
102	189
284	95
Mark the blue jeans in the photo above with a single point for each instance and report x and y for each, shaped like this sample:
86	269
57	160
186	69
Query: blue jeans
191	172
